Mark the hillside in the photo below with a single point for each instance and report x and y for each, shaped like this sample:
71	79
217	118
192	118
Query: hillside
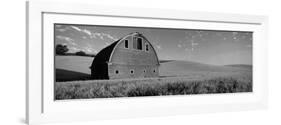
242	66
77	68
74	63
182	68
69	68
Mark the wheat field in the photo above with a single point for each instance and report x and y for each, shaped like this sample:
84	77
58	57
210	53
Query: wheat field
176	78
152	87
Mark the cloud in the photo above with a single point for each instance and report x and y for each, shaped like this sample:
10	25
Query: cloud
95	35
194	44
102	36
234	33
87	32
64	38
235	36
109	36
76	28
61	30
84	37
73	43
67	39
179	45
89	50
156	43
107	43
190	37
86	49
158	47
74	49
58	26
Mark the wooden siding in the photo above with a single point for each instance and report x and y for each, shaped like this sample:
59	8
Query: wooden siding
130	56
140	71
142	62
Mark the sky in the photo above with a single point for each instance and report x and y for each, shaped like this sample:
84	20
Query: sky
203	46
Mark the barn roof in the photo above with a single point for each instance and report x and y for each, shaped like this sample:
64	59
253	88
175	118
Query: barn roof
104	55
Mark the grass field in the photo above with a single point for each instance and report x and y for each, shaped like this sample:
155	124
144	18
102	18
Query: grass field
176	78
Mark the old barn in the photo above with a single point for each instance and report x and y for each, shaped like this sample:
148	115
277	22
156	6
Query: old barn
132	56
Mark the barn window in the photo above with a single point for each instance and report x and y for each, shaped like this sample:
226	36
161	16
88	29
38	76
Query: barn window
126	43
116	71
137	44
146	47
132	71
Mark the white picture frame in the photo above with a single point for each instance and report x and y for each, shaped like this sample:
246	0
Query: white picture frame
41	107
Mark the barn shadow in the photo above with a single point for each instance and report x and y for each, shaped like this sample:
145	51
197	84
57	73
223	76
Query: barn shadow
165	61
67	75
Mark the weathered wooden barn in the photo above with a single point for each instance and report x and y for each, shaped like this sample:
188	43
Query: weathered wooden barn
132	56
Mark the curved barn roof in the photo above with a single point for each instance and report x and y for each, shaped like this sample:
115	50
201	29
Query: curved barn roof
105	54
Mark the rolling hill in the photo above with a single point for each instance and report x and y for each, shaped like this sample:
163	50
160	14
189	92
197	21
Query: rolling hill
241	66
74	63
77	68
175	68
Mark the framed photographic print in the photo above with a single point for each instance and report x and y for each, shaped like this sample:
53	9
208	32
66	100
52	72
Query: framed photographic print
89	62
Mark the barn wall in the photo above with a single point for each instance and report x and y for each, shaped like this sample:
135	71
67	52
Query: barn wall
130	56
126	59
124	71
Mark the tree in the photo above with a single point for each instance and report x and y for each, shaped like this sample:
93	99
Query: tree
61	49
81	53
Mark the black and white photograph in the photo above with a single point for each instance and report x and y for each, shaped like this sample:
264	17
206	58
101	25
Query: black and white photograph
94	61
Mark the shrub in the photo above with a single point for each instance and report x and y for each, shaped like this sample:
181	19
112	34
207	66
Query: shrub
61	49
81	53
